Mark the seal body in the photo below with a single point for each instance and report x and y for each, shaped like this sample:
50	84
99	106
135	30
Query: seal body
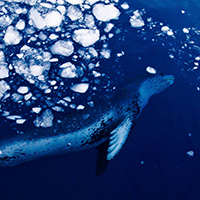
109	121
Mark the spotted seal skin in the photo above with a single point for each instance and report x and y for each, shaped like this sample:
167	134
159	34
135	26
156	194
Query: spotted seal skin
110	120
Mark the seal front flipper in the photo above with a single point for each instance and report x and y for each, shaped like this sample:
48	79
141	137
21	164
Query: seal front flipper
110	148
118	137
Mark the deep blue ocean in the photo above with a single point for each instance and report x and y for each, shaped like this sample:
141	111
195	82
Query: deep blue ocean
153	164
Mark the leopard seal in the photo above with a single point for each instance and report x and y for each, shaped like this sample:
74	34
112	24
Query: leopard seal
105	126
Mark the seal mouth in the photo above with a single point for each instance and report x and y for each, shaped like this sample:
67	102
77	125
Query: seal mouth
169	78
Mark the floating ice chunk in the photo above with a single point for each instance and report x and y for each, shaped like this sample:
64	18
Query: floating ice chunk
91	2
28	96
109	27
86	37
4	71
197	58
22	89
53	36
37	19
185	30
20	25
58	109
105	53
68	70
151	70
80	107
80	87
20	121
36	109
125	6
45	120
53	19
12	36
2	56
136	20
3	88
62	9
170	33
190	153
75	2
165	29
64	48
105	12
13	117
74	13
67	99
89	21
36	70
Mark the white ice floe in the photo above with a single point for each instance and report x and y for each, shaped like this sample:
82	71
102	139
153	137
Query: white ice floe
74	13
167	30
125	6
23	89
3	88
13	117
109	27
12	36
186	30
151	70
4	71
45	119
36	109
86	37
89	21
136	20
105	53
105	12
190	153
197	58
91	2
53	19
58	109
36	70
20	24
75	2
36	18
62	47
80	87
20	121
28	96
80	107
68	70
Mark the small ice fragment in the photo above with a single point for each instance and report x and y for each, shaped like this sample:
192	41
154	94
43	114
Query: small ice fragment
170	33
80	107
142	162
105	53
86	37
62	47
190	134
197	58
183	11
28	96
109	27
67	99
22	89
185	30
12	36
74	13
20	121
151	70
36	109
125	6
20	25
4	72
68	70
58	109
165	28
45	120
13	117
80	87
136	20
3	88
105	12
75	2
190	153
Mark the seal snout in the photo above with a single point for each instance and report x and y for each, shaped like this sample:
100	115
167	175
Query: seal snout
169	78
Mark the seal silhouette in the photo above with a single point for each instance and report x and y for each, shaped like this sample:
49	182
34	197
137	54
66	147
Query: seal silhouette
106	126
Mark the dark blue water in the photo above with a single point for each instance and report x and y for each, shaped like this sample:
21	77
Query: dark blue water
153	164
